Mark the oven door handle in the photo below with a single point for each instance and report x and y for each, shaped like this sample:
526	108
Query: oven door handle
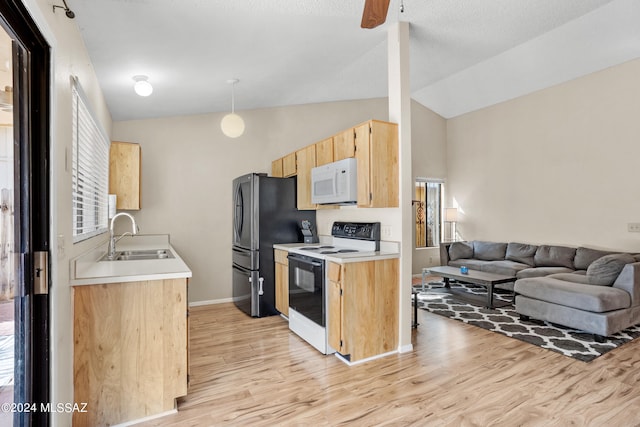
304	261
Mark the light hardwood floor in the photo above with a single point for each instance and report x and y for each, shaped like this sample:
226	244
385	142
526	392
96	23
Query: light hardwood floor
254	372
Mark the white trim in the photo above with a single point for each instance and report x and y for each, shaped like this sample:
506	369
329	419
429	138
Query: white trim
368	359
210	302
405	348
434	180
150	417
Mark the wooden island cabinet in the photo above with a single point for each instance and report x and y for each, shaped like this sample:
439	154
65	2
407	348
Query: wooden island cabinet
130	356
363	308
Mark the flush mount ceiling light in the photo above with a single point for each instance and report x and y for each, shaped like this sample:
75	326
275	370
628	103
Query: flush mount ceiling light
232	124
142	85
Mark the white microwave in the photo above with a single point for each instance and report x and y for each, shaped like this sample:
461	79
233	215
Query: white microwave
335	183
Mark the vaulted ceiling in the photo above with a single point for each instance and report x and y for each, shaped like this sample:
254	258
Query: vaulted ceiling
464	54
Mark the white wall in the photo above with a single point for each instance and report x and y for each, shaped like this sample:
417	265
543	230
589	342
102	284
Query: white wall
69	57
556	166
188	166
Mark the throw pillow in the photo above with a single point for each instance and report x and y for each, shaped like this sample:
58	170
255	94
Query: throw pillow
489	251
585	256
521	252
460	250
554	256
605	270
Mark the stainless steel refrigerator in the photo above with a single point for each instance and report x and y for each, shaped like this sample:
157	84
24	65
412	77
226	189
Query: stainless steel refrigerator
264	213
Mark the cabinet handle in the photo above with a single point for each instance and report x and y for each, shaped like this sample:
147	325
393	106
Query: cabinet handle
260	283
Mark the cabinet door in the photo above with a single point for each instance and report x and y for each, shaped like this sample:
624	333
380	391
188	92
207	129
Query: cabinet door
324	152
276	168
369	308
124	174
383	167
334	325
306	159
363	157
344	145
282	281
289	167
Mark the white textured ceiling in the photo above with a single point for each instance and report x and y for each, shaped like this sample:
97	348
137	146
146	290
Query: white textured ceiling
465	54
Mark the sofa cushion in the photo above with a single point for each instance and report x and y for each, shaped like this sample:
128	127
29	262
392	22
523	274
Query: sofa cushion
504	267
541	271
598	299
489	251
605	270
554	256
459	250
521	252
585	256
571	277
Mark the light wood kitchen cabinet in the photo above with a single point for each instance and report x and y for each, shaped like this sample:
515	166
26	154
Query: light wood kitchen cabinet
324	152
289	165
130	357
276	168
344	145
124	174
376	150
306	159
363	308
282	281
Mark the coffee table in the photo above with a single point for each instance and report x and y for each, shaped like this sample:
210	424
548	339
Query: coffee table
475	277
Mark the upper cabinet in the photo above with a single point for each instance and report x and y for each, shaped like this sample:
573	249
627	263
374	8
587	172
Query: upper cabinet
376	150
306	161
374	144
124	174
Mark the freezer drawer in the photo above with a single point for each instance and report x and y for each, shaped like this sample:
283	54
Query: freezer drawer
247	290
246	258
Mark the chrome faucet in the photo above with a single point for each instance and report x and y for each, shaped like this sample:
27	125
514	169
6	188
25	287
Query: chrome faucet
112	238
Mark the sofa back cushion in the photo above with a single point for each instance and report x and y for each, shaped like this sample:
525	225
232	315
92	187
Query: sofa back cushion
605	270
554	256
460	250
585	256
489	251
521	252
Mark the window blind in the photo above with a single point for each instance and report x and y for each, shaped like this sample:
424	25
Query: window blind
90	169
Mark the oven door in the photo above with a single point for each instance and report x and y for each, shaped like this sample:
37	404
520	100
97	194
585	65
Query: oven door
306	287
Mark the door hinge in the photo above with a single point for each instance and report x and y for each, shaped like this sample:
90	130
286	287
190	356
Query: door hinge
340	292
340	343
41	273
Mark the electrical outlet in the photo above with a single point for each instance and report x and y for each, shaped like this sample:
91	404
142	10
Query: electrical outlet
385	230
633	227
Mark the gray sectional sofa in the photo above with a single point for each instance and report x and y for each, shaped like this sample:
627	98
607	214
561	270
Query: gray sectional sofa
587	289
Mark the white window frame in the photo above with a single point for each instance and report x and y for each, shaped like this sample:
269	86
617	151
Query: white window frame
90	169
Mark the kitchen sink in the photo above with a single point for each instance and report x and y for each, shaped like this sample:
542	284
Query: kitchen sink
140	255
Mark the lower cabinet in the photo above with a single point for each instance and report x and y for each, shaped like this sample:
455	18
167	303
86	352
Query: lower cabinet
363	308
130	355
282	281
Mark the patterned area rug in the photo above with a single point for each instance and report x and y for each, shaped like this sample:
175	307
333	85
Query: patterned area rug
569	342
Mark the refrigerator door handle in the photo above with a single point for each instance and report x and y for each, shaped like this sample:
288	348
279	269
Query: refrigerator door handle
239	214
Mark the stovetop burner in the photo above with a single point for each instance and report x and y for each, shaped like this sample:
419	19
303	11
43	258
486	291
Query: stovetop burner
315	248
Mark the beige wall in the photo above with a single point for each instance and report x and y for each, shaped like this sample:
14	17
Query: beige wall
69	57
556	166
429	161
188	166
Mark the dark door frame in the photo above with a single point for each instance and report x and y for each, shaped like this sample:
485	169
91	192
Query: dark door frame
31	70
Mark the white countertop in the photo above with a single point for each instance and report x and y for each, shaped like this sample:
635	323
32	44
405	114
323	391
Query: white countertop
87	269
388	250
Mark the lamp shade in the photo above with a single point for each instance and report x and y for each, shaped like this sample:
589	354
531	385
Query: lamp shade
451	214
232	125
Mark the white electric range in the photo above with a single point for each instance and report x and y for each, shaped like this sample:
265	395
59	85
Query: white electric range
308	281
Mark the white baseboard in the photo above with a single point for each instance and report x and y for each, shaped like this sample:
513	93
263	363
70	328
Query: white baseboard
368	359
405	348
210	302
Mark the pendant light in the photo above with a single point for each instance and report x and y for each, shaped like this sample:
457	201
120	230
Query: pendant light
232	124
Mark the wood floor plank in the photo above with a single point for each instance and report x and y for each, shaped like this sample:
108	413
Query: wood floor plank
247	371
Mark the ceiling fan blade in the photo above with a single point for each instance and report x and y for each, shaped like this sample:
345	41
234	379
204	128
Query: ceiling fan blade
374	13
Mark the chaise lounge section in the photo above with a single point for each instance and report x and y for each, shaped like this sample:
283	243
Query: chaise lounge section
587	289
